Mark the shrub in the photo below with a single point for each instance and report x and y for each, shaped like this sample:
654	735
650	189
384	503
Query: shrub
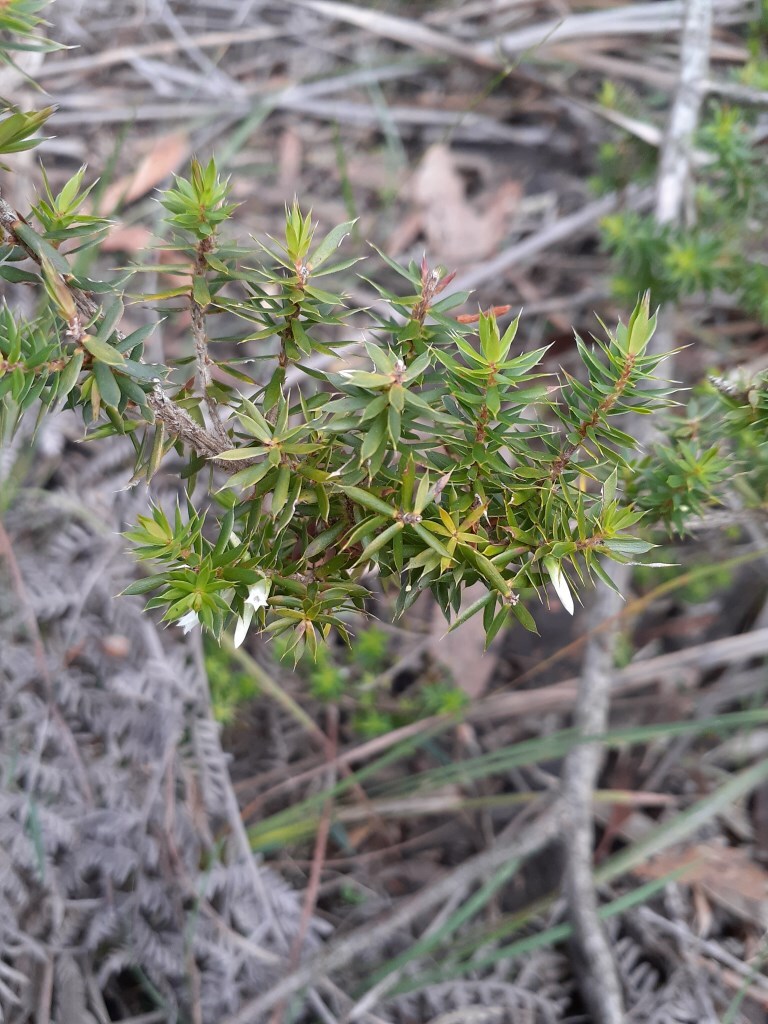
438	463
437	456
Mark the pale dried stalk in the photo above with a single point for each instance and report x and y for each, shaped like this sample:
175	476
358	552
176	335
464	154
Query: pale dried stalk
600	978
676	152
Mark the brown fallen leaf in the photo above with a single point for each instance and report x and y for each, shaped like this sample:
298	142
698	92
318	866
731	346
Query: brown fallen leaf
727	875
166	155
457	231
290	157
128	238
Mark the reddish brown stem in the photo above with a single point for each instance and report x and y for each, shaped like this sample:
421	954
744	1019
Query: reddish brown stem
562	461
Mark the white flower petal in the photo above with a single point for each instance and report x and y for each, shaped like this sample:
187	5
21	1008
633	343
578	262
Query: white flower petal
188	622
258	594
243	623
560	583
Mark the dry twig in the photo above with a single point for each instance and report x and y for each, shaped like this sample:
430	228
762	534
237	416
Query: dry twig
318	860
601	984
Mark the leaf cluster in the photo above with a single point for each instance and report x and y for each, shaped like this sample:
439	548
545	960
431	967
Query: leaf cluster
714	453
439	457
682	478
354	678
722	245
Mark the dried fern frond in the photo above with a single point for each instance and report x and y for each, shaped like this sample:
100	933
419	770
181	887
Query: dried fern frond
113	785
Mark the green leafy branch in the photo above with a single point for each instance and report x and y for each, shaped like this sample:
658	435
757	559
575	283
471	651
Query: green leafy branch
438	459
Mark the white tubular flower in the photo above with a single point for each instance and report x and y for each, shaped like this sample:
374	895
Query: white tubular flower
188	622
258	594
257	598
243	622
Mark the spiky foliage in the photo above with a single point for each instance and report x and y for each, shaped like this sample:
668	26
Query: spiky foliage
721	246
443	461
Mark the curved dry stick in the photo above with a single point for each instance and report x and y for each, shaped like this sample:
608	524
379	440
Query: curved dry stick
600	979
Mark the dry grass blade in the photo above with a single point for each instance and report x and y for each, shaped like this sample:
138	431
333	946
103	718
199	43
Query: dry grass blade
339	954
484	948
631	19
159	48
407	31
